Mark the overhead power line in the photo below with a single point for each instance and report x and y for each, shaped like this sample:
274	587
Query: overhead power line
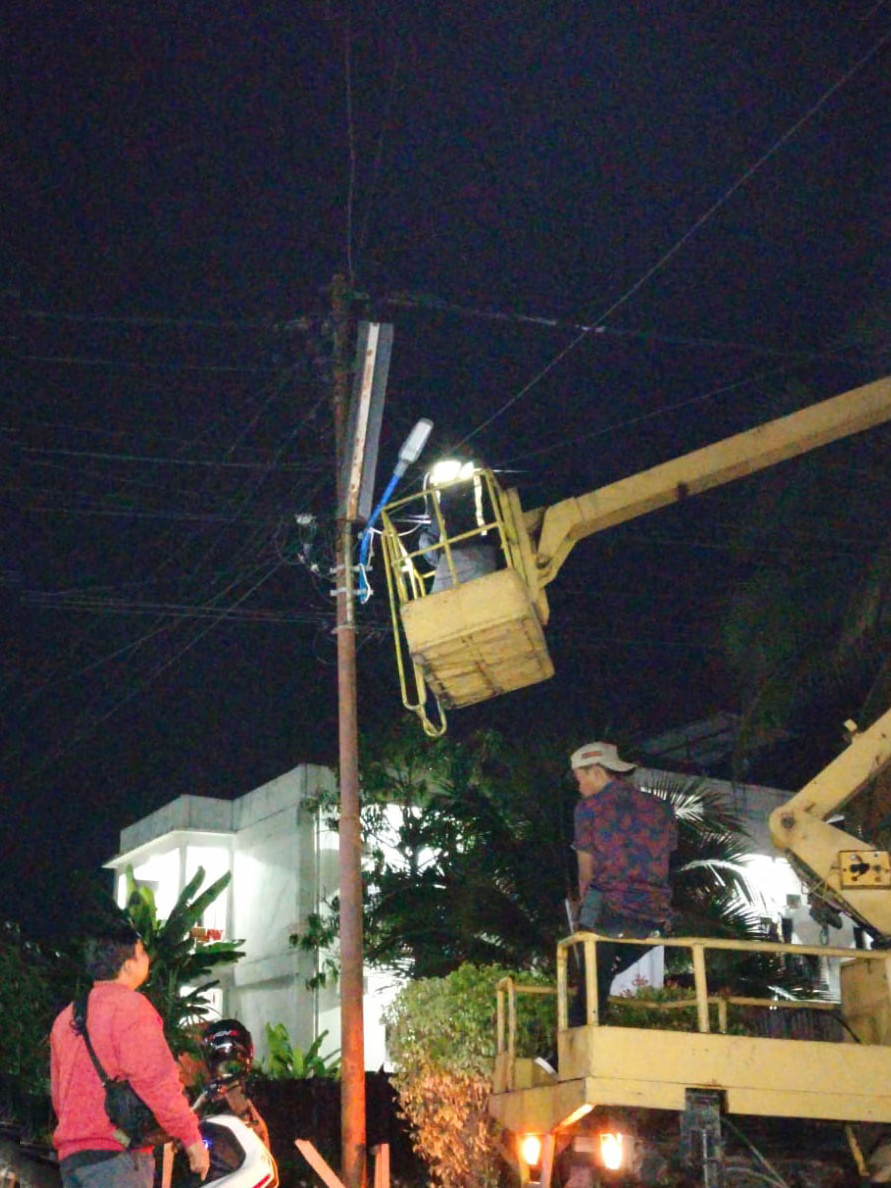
213	578
89	720
127	365
214	463
47	600
45	315
135	513
426	301
664	259
748	174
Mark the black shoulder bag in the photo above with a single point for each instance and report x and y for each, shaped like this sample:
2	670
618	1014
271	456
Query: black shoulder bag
135	1124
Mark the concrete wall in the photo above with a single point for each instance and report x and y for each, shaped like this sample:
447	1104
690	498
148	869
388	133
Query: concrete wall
284	865
201	813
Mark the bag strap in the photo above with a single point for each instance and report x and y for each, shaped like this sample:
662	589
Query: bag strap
79	1024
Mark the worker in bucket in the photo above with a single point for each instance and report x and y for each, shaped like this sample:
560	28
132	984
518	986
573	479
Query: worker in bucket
461	498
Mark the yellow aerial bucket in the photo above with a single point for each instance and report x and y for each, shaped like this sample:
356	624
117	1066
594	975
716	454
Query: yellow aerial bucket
477	640
467	637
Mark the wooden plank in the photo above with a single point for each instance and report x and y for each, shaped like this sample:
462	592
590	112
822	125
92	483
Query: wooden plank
166	1165
381	1155
317	1163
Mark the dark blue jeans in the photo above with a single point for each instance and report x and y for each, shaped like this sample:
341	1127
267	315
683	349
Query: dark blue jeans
612	959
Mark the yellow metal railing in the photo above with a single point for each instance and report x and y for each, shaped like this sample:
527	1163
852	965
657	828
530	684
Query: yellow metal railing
411	567
508	990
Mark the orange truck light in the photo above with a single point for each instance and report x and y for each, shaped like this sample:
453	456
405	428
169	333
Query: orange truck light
612	1150
530	1149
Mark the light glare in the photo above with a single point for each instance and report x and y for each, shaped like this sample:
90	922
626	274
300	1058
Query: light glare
530	1149
611	1150
449	470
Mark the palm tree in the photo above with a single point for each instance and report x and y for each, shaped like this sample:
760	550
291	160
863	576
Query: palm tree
472	863
469	843
711	893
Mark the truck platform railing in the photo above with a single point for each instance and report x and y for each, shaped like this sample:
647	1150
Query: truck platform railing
712	1010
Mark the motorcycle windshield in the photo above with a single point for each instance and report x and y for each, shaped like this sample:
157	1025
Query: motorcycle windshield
226	1152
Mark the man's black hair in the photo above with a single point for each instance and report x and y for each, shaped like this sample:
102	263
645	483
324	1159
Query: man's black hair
106	952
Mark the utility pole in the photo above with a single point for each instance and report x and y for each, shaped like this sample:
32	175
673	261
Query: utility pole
352	1092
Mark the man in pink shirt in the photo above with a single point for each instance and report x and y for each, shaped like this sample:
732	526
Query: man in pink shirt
128	1038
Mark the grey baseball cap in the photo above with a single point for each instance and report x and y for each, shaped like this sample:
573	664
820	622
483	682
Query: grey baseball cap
604	754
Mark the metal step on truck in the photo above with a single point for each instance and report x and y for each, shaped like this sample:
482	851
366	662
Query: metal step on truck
817	1070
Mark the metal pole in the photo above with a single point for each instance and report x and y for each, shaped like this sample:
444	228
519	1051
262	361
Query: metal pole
352	1092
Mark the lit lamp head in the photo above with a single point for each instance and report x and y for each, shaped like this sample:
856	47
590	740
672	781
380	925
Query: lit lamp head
449	470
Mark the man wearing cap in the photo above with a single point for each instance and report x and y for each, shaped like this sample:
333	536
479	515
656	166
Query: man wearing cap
623	839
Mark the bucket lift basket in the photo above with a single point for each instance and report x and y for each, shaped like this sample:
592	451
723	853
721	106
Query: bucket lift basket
480	636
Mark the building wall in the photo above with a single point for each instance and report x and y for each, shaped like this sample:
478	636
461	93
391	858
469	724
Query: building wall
284	866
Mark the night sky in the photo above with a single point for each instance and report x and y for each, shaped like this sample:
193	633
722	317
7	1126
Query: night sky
606	233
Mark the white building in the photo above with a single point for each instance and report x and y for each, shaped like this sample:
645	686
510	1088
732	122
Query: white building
284	865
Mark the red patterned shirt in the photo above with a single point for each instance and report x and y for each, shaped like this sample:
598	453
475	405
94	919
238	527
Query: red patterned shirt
630	835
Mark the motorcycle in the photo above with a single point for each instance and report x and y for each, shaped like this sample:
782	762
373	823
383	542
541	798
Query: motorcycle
238	1154
231	1128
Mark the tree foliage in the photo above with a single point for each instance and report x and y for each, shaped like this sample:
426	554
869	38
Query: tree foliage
467	841
284	1062
441	1037
711	895
469	859
807	633
26	1003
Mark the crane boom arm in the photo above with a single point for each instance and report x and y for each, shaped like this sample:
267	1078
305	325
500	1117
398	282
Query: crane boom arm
559	527
800	829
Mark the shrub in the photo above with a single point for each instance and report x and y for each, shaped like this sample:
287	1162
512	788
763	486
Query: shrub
287	1063
441	1038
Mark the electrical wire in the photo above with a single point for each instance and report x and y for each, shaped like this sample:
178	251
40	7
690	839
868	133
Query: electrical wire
351	142
145	321
131	365
365	590
53	673
379	151
135	513
699	223
122	606
872	12
84	731
426	301
215	463
771	1174
162	626
641	418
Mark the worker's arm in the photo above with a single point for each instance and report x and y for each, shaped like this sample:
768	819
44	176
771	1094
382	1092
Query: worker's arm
586	871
